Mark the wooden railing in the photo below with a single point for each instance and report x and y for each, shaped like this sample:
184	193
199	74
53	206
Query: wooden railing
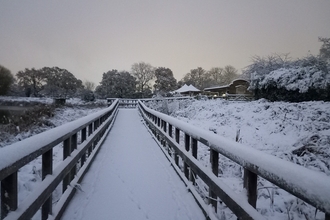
76	160
311	186
124	103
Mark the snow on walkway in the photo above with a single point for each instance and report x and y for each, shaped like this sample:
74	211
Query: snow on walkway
132	179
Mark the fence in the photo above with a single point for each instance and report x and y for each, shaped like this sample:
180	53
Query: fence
92	129
311	186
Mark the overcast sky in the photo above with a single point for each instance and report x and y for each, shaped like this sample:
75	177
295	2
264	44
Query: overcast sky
89	38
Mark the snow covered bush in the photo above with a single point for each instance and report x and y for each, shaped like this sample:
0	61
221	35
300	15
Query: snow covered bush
302	80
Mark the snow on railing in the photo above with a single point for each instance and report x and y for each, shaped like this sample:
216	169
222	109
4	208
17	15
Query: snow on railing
93	128
311	186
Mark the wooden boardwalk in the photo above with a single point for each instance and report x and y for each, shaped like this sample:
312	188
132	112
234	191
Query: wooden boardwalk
132	179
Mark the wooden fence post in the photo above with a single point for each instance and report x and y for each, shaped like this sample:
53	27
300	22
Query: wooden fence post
187	147
214	160
66	153
8	194
73	147
170	130
83	138
97	139
327	216
90	131
165	130
177	139
194	154
250	184
47	169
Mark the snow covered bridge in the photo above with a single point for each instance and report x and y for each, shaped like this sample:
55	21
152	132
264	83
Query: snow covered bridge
131	178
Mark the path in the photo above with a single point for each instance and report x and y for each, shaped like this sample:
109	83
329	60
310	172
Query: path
132	179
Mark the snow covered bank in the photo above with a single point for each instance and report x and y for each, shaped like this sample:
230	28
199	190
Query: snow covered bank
73	109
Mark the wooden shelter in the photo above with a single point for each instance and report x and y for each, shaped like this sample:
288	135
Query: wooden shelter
238	86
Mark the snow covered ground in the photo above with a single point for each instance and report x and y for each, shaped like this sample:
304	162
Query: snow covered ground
296	132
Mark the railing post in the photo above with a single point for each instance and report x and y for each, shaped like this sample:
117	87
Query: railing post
194	154
214	160
187	147
250	184
73	147
170	130
83	138
164	124
327	216
97	139
177	139
47	169
90	131
8	194
66	153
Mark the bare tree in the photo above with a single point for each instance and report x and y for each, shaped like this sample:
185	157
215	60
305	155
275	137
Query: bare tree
144	73
89	85
325	48
229	74
196	77
214	77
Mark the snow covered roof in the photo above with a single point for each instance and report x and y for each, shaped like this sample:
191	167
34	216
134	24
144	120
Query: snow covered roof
226	86
186	88
217	87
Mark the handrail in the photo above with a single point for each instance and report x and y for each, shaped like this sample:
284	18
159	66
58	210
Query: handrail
311	186
92	130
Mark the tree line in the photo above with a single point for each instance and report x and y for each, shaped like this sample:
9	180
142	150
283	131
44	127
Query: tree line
275	77
142	81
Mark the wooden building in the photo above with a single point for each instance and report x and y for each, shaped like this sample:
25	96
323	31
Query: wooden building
236	87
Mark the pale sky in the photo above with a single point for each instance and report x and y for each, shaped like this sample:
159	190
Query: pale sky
89	38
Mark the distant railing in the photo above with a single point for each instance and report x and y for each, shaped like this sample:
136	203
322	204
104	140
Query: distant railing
124	103
92	129
311	186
